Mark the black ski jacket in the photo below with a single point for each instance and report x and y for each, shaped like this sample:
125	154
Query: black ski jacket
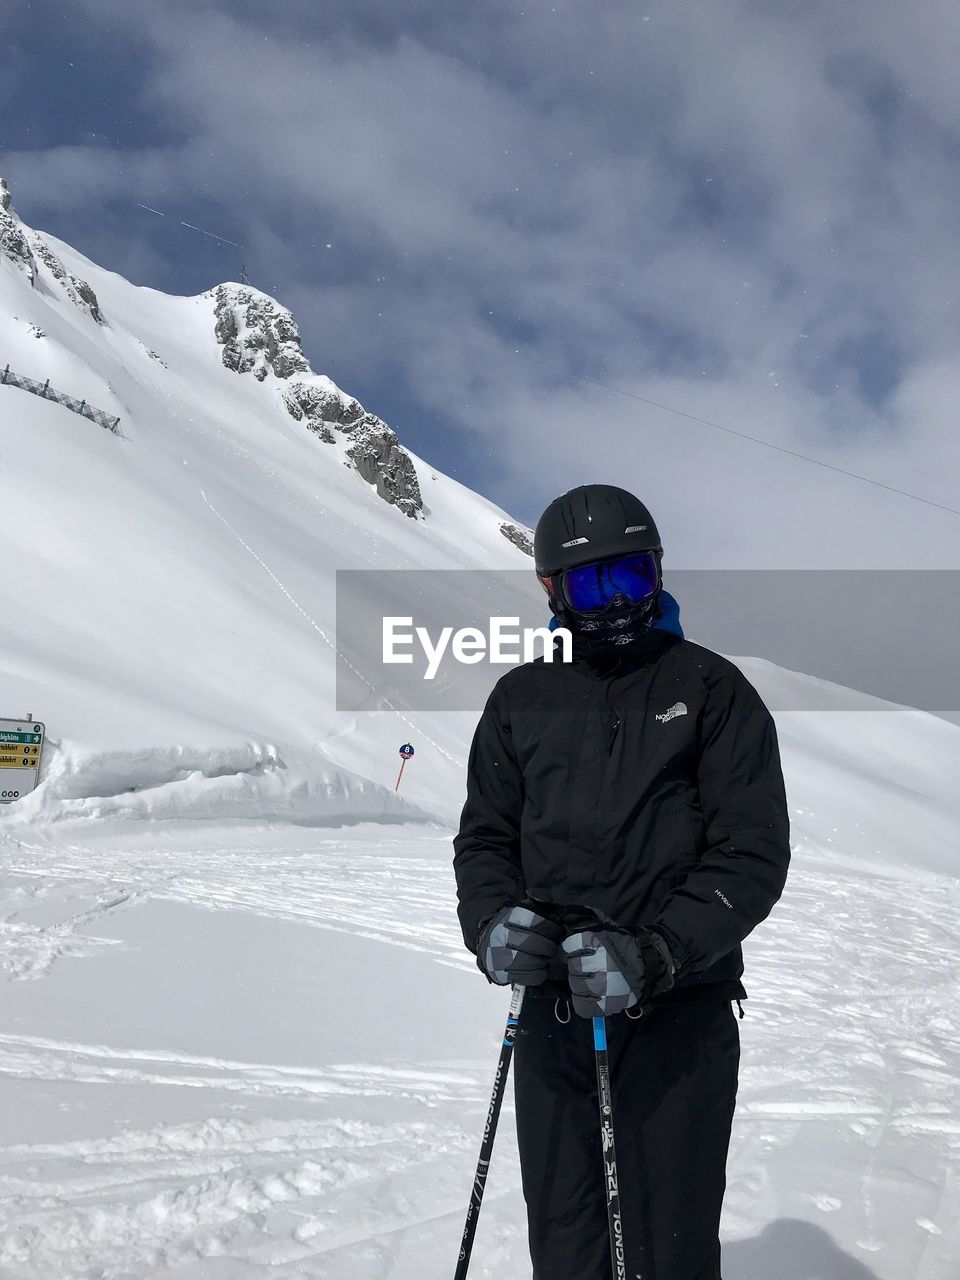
643	784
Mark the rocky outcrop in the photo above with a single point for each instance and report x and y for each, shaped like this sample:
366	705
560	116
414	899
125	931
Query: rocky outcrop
519	537
373	449
77	290
315	405
28	251
153	355
382	461
14	245
258	336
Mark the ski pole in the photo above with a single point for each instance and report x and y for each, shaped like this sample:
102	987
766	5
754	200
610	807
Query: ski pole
605	1095
489	1133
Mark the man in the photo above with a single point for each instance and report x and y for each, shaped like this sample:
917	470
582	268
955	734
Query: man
625	828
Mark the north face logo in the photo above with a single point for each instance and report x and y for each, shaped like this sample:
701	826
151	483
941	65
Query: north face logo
671	713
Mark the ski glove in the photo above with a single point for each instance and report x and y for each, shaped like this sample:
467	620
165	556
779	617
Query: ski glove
611	970
517	945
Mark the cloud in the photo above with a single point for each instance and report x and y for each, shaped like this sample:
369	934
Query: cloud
745	211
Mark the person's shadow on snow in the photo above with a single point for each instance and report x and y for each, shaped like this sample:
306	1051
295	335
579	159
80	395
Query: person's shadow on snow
791	1249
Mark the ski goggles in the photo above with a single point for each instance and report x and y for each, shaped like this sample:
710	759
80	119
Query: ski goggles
591	588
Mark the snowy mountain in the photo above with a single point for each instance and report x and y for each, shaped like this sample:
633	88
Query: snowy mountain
175	620
240	1036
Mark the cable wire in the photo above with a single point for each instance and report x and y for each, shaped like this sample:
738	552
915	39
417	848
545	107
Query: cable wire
692	417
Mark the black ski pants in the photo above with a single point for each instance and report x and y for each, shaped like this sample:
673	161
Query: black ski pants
674	1079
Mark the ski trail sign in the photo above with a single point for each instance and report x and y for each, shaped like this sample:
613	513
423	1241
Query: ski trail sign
21	746
406	753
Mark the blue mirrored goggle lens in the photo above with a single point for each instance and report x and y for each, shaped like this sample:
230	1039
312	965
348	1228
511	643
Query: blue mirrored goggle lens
593	586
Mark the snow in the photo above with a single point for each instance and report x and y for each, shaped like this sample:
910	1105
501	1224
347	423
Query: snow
261	1051
240	1036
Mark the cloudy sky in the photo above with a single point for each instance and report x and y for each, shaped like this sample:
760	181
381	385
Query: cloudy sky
542	239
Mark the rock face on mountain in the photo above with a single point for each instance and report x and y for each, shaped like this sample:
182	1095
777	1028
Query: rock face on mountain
77	290
259	336
30	253
319	405
13	239
519	537
382	461
306	405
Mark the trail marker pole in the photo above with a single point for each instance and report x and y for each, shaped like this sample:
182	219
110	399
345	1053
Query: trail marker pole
406	752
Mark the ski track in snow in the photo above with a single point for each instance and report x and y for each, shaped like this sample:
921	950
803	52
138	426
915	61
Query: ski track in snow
405	900
384	701
35	1058
29	949
847	1118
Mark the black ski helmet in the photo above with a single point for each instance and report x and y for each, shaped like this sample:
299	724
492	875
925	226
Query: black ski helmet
594	522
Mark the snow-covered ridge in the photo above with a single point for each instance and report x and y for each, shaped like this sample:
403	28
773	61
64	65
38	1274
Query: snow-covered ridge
256	335
175	593
259	336
30	254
